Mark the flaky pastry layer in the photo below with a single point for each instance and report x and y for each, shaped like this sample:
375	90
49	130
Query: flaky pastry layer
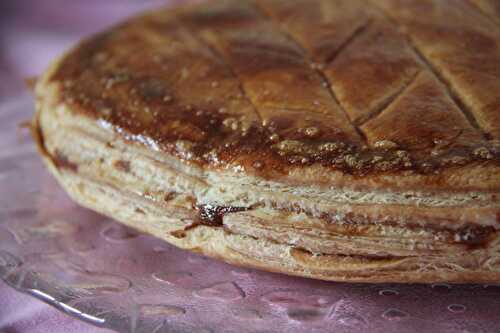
342	144
296	232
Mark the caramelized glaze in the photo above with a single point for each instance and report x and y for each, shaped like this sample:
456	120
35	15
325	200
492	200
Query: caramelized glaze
246	83
212	215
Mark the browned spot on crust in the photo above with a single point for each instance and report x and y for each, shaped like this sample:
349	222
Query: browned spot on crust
170	196
122	165
182	233
178	233
61	161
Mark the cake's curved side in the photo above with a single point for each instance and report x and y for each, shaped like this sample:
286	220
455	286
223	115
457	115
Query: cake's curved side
263	237
169	224
131	143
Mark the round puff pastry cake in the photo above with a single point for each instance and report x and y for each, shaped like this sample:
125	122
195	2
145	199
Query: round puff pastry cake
341	140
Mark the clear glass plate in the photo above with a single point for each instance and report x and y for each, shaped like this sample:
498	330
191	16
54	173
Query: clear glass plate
100	272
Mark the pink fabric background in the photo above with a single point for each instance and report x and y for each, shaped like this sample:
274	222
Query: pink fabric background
32	33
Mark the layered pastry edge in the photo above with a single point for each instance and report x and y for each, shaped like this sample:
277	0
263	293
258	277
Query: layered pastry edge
227	214
312	218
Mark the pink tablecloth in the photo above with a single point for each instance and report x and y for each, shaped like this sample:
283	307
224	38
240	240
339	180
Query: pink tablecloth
31	34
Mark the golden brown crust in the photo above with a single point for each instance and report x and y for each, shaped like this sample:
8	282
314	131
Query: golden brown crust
418	125
333	138
462	47
239	95
490	7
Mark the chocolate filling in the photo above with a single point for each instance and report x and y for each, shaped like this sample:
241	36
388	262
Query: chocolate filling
212	215
471	236
474	237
